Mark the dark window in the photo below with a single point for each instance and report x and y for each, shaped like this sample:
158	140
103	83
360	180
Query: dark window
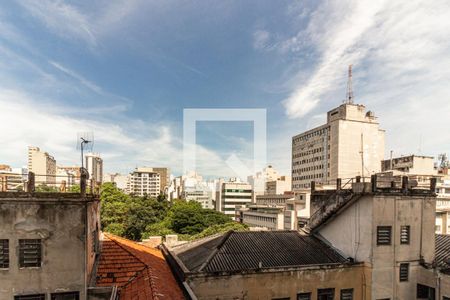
30	297
325	294
347	294
304	296
404	234
4	254
384	235
66	296
30	253
404	272
425	292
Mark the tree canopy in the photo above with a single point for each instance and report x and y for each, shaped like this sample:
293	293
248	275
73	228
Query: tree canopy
139	217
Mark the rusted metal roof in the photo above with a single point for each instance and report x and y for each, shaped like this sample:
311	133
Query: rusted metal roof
240	251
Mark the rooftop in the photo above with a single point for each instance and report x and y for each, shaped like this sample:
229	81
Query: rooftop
242	251
140	272
442	252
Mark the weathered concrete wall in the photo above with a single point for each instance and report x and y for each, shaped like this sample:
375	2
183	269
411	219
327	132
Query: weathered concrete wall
354	232
269	285
351	231
60	224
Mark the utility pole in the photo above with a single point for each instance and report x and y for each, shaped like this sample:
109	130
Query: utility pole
362	156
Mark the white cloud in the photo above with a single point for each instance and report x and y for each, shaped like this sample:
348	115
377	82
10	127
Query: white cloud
47	126
88	24
64	19
336	32
399	50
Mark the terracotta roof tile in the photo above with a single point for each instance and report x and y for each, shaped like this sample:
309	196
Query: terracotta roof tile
140	272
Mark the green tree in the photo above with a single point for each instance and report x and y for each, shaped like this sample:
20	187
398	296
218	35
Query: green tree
43	188
190	218
221	228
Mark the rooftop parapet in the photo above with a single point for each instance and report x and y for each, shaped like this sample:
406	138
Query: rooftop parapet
44	186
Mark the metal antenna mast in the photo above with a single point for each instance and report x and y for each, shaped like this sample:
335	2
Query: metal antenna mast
349	96
85	141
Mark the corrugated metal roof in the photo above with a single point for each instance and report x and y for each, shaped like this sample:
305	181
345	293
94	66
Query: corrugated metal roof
442	252
238	251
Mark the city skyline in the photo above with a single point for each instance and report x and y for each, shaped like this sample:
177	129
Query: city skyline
127	70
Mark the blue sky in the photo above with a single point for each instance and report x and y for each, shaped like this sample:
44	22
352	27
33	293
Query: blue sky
126	70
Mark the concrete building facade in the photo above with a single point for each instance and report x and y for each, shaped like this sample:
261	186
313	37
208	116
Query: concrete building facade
49	244
94	165
391	230
351	143
144	181
279	186
233	195
42	164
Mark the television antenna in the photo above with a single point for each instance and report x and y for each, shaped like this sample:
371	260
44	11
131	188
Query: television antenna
85	142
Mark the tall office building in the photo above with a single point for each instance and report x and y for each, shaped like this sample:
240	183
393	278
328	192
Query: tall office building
350	144
164	175
42	164
144	181
234	195
94	165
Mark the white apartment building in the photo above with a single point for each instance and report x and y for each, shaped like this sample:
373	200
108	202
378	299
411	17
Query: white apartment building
234	194
201	195
144	181
43	165
94	165
350	144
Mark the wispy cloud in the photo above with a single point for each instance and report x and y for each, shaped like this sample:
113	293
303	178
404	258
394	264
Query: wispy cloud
73	23
337	32
80	78
61	18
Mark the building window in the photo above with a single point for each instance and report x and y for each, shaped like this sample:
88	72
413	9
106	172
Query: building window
404	234
325	294
30	297
404	272
425	292
384	235
30	253
347	294
66	296
304	296
4	254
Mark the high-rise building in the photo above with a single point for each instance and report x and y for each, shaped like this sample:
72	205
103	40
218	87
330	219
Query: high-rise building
144	181
164	175
42	164
94	165
350	144
234	194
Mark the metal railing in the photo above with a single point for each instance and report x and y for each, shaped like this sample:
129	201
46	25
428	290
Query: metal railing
48	183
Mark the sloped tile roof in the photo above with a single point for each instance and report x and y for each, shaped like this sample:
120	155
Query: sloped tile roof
140	272
240	251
